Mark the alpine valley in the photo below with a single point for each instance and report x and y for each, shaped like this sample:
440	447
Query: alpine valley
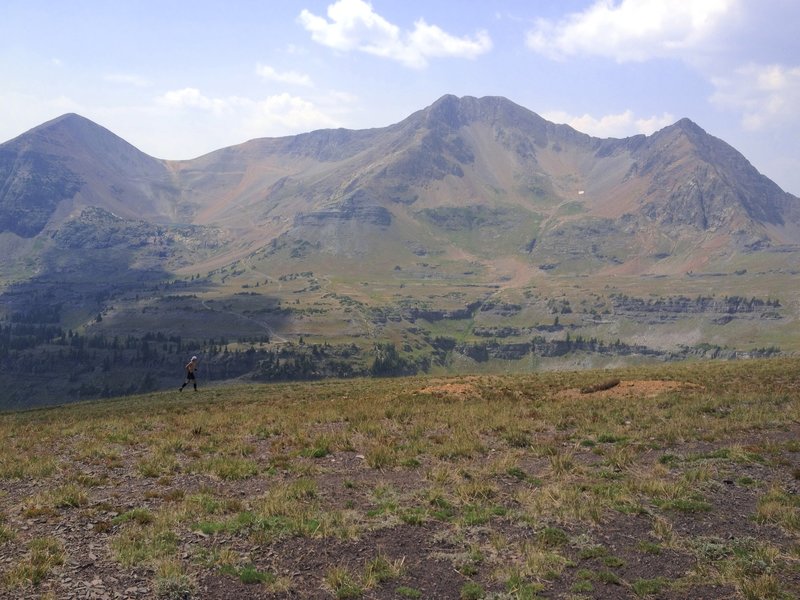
474	236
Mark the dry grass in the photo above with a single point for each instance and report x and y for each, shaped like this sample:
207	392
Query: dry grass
517	476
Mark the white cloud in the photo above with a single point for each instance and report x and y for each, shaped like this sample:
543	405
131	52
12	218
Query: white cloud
633	30
354	25
290	77
295	50
193	98
341	97
766	95
128	79
280	114
430	41
619	125
284	113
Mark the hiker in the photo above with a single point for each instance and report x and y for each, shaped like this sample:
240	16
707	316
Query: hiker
190	367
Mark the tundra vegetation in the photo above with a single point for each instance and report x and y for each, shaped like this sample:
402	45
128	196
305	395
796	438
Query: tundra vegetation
671	481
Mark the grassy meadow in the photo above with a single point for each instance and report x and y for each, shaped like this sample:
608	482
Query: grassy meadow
672	481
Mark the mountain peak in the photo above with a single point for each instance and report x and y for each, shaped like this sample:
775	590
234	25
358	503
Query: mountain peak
454	112
75	125
68	123
71	118
71	154
73	134
688	126
683	126
447	110
686	123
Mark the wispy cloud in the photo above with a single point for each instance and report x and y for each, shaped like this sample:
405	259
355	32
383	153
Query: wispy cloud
290	77
193	98
279	114
619	125
765	95
128	79
284	112
354	25
632	30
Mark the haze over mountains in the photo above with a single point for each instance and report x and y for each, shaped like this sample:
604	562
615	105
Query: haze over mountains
474	192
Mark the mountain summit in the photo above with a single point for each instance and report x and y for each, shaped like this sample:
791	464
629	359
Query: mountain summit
711	185
71	162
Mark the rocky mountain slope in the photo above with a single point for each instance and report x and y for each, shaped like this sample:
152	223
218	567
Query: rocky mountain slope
459	165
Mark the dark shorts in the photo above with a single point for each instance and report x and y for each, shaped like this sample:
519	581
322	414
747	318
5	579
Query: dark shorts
189	376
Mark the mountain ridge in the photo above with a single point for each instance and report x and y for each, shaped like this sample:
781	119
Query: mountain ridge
426	147
479	161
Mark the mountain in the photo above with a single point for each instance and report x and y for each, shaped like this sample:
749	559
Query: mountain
475	215
468	162
460	164
71	162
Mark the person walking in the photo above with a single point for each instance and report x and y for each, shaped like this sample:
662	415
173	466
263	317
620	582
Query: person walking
191	368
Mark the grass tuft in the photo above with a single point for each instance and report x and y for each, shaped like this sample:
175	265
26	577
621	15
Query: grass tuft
343	583
171	581
780	508
44	554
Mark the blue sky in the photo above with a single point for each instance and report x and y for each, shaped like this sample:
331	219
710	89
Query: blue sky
179	78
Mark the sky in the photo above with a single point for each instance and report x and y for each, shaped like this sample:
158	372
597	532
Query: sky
180	78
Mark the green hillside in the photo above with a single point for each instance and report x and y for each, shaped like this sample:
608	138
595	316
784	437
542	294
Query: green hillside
670	481
271	317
